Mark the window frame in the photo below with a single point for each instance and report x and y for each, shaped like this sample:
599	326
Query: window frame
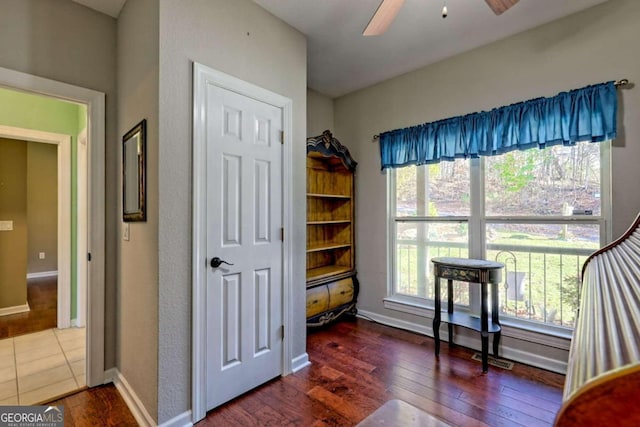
477	223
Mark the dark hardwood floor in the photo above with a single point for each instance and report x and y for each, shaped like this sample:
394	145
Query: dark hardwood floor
42	295
98	406
356	367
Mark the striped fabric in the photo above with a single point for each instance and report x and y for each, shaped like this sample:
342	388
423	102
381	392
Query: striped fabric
607	331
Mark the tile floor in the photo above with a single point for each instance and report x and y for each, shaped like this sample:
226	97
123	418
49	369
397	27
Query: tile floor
40	366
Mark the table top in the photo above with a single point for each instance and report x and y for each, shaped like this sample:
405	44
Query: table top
468	263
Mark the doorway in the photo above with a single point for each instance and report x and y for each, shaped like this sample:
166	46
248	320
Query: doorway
94	297
45	358
64	213
242	206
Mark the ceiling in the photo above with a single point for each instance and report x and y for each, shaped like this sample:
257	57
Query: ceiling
340	60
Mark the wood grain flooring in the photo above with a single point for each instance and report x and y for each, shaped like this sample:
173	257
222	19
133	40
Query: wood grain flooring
356	367
98	406
42	295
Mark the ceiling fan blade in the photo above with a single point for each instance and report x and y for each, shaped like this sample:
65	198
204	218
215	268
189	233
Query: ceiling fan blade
499	6
384	16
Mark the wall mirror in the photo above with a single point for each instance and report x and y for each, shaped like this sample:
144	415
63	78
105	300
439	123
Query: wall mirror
134	174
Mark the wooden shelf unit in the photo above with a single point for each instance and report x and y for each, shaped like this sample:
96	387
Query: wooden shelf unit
332	286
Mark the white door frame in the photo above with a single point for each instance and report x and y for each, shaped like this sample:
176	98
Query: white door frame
203	76
83	220
95	102
64	210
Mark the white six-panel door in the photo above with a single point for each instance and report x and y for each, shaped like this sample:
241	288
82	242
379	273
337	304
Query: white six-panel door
244	218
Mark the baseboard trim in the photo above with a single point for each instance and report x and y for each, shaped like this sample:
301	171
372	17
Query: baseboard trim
517	355
110	375
182	420
536	360
75	323
510	353
300	362
7	311
396	323
42	274
130	398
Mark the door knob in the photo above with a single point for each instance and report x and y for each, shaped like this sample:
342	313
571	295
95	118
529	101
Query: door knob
217	262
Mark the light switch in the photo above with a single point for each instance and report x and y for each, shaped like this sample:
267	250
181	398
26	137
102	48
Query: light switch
125	231
6	225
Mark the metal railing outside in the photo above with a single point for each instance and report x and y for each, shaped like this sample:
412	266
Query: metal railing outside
539	284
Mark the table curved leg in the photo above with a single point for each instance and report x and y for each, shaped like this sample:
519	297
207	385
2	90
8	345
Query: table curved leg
485	352
436	333
450	310
436	315
484	326
495	317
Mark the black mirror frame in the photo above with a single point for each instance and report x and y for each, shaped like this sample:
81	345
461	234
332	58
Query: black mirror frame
141	213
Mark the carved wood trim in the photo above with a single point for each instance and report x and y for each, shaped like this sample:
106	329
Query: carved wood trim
329	146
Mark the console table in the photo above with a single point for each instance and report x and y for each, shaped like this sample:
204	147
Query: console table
470	271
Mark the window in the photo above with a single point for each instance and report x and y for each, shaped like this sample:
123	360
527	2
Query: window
540	212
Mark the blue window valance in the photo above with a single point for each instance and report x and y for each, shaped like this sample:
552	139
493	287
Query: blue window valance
587	114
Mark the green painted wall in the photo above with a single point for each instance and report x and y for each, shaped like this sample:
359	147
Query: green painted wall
36	112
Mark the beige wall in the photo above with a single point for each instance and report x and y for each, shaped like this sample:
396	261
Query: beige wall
599	44
238	38
62	40
29	197
319	113
42	206
13	207
138	271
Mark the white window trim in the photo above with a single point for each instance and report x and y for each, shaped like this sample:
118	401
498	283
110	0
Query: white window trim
551	336
516	328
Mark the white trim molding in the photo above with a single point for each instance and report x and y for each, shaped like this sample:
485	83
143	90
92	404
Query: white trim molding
42	274
135	405
300	362
7	311
110	375
95	102
473	342
83	233
181	420
513	328
203	76
130	397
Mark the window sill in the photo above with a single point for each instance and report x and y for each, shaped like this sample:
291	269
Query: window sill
513	328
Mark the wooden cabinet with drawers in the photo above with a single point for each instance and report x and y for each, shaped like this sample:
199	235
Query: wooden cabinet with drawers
332	286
